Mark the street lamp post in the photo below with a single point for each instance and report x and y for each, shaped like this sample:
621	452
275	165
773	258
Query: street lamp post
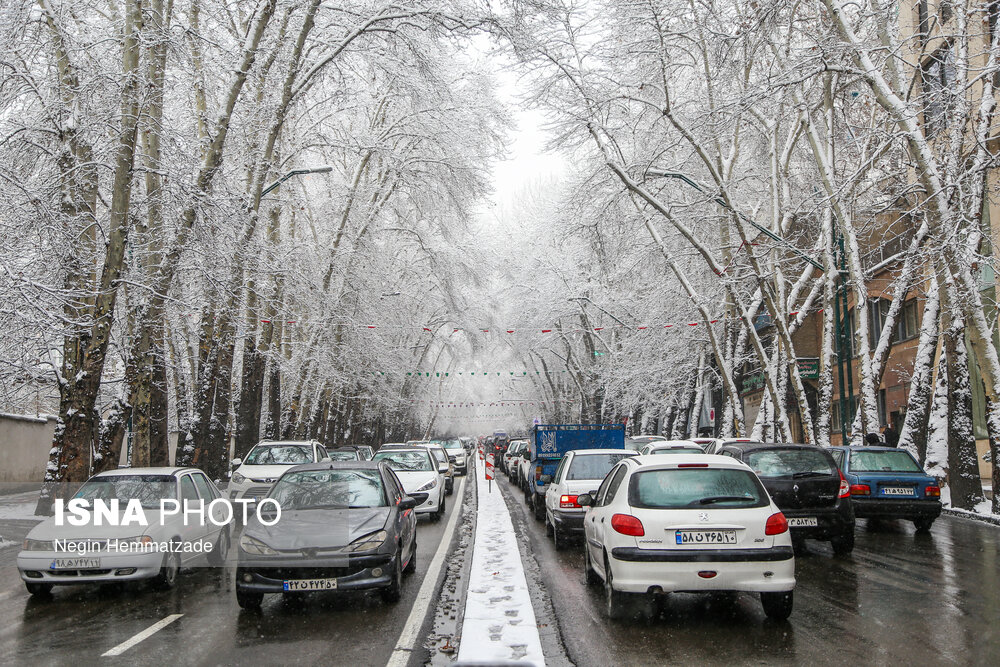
295	172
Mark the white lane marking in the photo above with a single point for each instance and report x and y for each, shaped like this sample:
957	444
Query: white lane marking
145	634
408	637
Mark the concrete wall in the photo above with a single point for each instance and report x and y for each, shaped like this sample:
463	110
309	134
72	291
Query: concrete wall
24	448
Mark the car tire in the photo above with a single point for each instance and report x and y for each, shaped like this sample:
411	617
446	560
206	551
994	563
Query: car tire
411	566
38	590
923	525
548	525
615	602
777	605
538	507
169	572
394	591
247	600
558	538
220	551
843	545
590	575
440	510
449	489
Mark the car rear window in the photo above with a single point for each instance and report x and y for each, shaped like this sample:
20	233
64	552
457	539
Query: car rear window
883	461
696	488
784	462
592	466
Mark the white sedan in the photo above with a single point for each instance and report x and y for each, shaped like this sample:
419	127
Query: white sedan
662	524
672	447
418	471
152	546
254	475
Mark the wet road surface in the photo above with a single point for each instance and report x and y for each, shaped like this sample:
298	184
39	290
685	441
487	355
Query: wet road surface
78	624
900	598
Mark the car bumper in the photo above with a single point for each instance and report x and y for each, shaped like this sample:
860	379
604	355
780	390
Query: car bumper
675	570
880	508
113	567
358	573
568	521
830	522
431	504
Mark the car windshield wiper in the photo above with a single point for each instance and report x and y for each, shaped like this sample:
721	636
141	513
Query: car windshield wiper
711	500
811	473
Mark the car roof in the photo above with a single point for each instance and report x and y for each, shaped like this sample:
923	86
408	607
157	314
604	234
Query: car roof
776	445
673	444
584	452
649	461
870	448
302	443
161	470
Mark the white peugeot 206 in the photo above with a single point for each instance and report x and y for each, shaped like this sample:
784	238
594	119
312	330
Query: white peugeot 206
686	523
149	537
419	472
254	475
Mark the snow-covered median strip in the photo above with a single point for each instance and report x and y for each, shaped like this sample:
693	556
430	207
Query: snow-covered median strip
499	619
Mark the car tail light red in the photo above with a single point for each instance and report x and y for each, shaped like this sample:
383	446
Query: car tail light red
568	501
933	491
845	488
861	490
692	465
626	524
776	524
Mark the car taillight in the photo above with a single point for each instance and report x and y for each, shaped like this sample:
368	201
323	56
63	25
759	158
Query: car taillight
626	524
933	491
568	501
692	465
860	490
538	473
776	524
845	488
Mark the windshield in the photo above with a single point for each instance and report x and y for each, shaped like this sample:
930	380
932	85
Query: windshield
416	461
782	462
696	488
262	455
883	461
453	444
343	456
329	489
149	490
593	466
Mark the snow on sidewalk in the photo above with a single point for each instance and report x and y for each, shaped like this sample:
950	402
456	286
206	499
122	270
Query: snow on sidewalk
499	620
19	507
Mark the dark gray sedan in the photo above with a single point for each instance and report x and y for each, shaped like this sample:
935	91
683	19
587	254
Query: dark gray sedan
342	526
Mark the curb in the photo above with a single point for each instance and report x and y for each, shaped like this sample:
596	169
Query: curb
972	516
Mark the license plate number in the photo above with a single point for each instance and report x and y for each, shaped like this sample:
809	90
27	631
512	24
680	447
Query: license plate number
897	491
310	585
75	564
705	536
802	522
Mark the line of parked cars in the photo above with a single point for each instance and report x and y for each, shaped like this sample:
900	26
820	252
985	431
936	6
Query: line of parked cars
661	516
347	521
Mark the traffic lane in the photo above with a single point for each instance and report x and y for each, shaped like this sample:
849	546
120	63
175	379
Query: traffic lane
82	623
901	596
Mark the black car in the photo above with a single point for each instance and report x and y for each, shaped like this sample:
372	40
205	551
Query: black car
807	485
342	526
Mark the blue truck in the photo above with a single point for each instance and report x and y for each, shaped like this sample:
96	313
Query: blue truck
547	445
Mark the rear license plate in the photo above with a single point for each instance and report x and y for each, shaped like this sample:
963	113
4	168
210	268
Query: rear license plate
897	491
75	564
802	522
310	585
705	536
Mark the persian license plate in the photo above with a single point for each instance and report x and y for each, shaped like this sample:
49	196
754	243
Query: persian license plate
897	491
76	564
310	585
802	522
705	536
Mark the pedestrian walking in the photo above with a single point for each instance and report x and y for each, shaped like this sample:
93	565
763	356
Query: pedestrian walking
890	435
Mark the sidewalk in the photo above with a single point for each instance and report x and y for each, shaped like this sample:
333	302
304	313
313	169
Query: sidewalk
499	619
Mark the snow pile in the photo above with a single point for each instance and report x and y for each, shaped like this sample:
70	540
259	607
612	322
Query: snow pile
19	507
983	508
499	620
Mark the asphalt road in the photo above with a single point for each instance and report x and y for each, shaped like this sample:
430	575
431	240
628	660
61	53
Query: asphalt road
900	598
78	624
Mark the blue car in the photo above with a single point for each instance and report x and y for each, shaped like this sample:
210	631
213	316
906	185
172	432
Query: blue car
888	483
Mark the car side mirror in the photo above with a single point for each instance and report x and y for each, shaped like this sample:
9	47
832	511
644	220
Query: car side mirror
443	469
236	463
545	479
411	501
586	500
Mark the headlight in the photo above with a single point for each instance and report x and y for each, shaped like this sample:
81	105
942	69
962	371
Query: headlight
429	485
39	545
238	478
256	547
367	542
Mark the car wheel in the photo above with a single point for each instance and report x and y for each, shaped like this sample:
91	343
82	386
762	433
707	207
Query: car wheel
777	605
558	539
548	524
411	566
167	578
394	591
538	506
38	590
589	574
923	525
614	601
220	551
247	600
450	488
843	544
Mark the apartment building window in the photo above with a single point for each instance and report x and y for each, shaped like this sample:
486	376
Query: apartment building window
878	312
906	322
939	89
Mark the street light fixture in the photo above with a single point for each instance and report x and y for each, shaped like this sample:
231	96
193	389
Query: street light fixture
296	172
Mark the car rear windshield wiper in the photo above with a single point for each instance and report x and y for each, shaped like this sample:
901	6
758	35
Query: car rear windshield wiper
811	473
711	500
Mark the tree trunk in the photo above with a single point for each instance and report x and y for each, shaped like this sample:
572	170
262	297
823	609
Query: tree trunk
963	469
913	435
